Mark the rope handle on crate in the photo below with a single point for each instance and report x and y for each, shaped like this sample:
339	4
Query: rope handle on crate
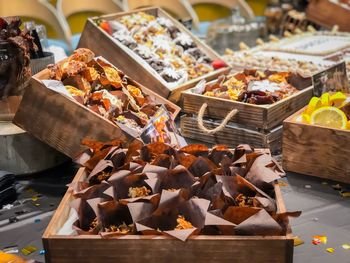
222	125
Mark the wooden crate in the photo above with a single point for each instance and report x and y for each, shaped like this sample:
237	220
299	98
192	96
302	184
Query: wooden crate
63	123
8	107
315	150
232	135
121	57
328	14
255	116
142	248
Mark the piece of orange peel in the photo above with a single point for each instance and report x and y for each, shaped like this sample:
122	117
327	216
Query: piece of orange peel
319	239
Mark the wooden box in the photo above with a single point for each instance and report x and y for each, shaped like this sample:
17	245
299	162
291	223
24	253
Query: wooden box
264	117
63	123
141	248
315	150
232	135
328	14
101	43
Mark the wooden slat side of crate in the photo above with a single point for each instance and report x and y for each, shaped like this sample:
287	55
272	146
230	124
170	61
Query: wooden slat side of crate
232	135
8	107
248	114
317	151
60	122
284	108
328	14
143	248
258	116
119	55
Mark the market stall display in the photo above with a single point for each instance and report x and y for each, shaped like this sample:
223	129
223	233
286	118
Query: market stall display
253	103
140	192
316	138
158	198
306	53
86	97
154	49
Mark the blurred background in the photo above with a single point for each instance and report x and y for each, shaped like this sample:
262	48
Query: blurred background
59	23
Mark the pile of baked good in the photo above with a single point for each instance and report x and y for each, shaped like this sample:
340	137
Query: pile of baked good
15	48
249	59
170	52
105	90
252	86
156	189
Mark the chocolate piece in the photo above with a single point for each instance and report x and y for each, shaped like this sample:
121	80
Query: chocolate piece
15	48
184	40
196	53
171	75
157	65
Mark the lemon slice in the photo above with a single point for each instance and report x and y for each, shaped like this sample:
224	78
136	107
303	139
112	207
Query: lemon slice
326	99
330	117
305	118
337	99
314	104
348	125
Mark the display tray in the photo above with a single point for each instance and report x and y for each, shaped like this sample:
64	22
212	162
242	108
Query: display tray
315	150
63	123
306	53
147	248
127	60
253	116
232	135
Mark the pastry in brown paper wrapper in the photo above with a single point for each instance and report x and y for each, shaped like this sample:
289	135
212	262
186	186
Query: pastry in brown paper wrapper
263	171
83	194
150	151
260	224
86	215
218	152
177	178
201	165
196	150
114	218
169	219
181	193
164	160
125	182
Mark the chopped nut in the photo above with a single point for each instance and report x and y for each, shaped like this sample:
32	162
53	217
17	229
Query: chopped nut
138	192
93	224
103	176
244	201
121	229
182	223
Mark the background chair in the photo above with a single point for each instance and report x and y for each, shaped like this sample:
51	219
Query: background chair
180	9
42	12
209	10
77	11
